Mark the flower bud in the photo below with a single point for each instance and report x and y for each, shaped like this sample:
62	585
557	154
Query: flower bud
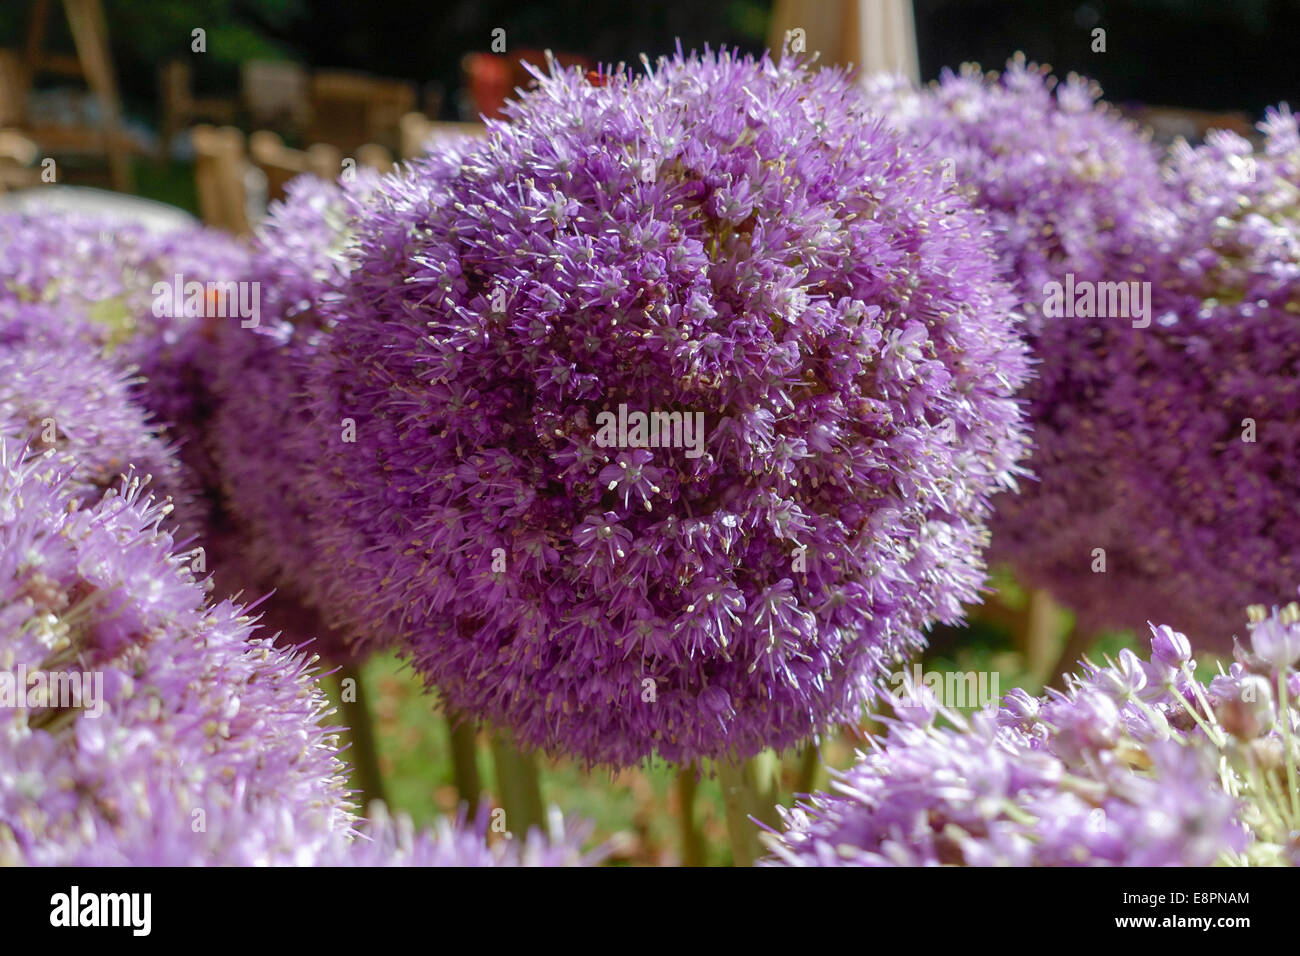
1169	646
1248	713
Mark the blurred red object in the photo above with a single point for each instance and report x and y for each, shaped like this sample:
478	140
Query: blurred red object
491	78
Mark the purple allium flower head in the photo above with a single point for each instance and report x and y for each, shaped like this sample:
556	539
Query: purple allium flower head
42	323
191	741
103	281
261	414
1131	766
70	259
1209	397
103	273
1067	185
1137	763
1063	178
1163	436
1170	446
131	294
171	350
735	246
386	840
65	401
188	720
444	141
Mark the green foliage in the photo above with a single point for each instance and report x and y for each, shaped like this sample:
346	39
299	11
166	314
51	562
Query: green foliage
169	182
156	30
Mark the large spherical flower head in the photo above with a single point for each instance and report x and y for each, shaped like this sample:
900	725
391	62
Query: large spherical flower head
65	401
445	142
979	796
1217	385
41	323
189	735
1063	177
735	247
338	535
1159	493
1234	236
267	834
261	413
102	272
301	249
1074	194
1245	722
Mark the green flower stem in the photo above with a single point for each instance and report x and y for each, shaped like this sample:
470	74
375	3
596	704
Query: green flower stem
692	838
809	765
518	788
1076	646
749	789
363	753
464	760
1284	712
1042	621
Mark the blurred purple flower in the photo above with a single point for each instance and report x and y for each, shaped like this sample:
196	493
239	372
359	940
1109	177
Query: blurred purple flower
260	409
198	723
1163	442
65	402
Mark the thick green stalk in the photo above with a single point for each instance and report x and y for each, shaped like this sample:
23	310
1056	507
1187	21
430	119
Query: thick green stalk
1284	711
749	789
518	788
1076	646
809	764
1042	622
692	838
464	760
364	755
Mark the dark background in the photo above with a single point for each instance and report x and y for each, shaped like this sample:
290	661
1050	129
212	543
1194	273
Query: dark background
1203	54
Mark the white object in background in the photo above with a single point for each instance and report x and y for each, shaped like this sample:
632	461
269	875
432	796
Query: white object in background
887	38
154	216
876	36
256	194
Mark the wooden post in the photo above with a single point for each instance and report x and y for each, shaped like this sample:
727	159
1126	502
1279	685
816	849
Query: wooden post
36	24
218	173
90	36
94	62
